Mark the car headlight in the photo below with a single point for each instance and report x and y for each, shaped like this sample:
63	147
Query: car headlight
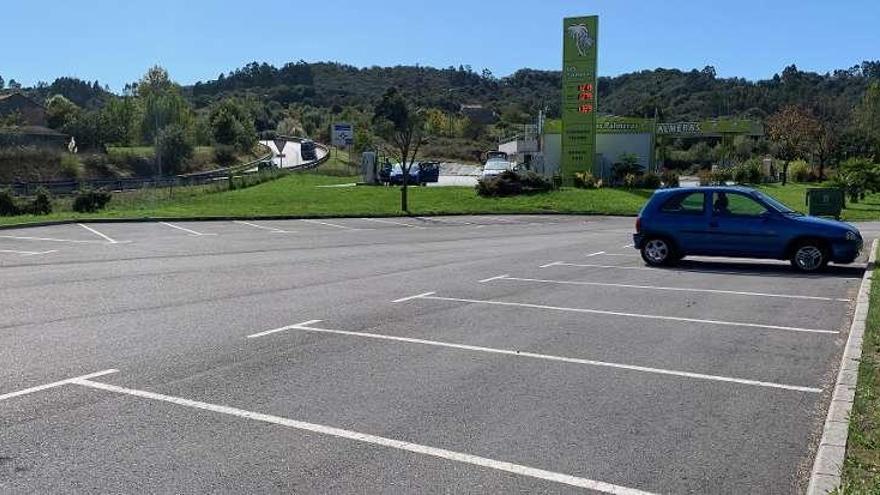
851	236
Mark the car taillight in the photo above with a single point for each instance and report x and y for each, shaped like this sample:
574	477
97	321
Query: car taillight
638	224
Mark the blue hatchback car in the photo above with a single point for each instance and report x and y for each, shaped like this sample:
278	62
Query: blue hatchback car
738	222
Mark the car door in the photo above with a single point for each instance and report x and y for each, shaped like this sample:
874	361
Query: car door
742	226
684	218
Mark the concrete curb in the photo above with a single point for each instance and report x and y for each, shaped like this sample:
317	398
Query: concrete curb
828	465
228	218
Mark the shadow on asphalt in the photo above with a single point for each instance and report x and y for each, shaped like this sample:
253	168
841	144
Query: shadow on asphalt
751	269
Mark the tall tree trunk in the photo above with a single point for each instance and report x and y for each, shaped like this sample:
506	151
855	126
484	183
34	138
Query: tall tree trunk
403	203
785	172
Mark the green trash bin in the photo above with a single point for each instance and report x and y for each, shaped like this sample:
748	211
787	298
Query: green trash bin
825	202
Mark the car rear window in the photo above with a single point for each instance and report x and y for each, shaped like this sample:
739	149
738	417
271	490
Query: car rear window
685	204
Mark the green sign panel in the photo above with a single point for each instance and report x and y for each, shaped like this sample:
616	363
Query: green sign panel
579	88
711	128
624	125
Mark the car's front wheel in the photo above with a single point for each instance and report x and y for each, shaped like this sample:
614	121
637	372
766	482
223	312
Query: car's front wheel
809	256
657	251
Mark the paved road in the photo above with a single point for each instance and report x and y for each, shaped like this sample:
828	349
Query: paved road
524	354
292	157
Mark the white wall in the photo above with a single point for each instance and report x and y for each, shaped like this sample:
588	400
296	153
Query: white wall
608	146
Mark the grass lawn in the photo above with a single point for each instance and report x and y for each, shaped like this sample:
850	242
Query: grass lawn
300	194
861	468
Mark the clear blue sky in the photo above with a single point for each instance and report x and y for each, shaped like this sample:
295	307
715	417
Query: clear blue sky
115	41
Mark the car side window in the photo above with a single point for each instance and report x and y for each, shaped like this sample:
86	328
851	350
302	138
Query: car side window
685	204
735	204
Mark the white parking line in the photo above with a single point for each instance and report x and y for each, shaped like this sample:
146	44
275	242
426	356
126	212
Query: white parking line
431	296
262	227
417	296
334	225
493	278
662	288
597	253
373	440
38	388
509	352
628	246
49	239
103	236
688	270
184	229
390	222
27	253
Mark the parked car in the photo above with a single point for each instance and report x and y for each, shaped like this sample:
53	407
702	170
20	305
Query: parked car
307	150
495	166
739	222
420	173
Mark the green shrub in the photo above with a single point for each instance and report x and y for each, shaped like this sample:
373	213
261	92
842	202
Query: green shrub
41	204
670	178
70	167
510	183
584	180
225	155
90	201
799	171
650	181
8	208
630	181
721	175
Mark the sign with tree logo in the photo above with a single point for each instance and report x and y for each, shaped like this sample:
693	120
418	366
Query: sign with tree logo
579	88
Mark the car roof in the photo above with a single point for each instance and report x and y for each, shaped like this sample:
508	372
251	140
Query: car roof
733	189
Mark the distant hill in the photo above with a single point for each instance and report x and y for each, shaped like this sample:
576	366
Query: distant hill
673	94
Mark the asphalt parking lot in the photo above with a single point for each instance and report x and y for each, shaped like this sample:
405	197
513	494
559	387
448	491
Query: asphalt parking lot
531	354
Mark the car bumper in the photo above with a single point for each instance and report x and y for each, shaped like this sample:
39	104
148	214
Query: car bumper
637	240
845	251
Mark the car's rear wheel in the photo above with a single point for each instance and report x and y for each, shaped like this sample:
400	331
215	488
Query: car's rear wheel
657	251
809	256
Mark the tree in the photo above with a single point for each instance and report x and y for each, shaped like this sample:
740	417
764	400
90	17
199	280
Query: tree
827	140
402	127
233	125
61	112
2	82
123	117
155	82
793	130
173	148
868	117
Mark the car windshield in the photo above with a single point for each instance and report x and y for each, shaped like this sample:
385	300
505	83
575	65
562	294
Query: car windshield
497	165
774	203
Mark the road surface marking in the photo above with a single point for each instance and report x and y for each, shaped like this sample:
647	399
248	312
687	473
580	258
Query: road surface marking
27	253
627	246
450	455
188	231
282	329
622	254
431	296
334	225
262	227
509	352
389	222
691	270
49	239
595	254
103	236
678	289
548	265
68	381
417	296
493	278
